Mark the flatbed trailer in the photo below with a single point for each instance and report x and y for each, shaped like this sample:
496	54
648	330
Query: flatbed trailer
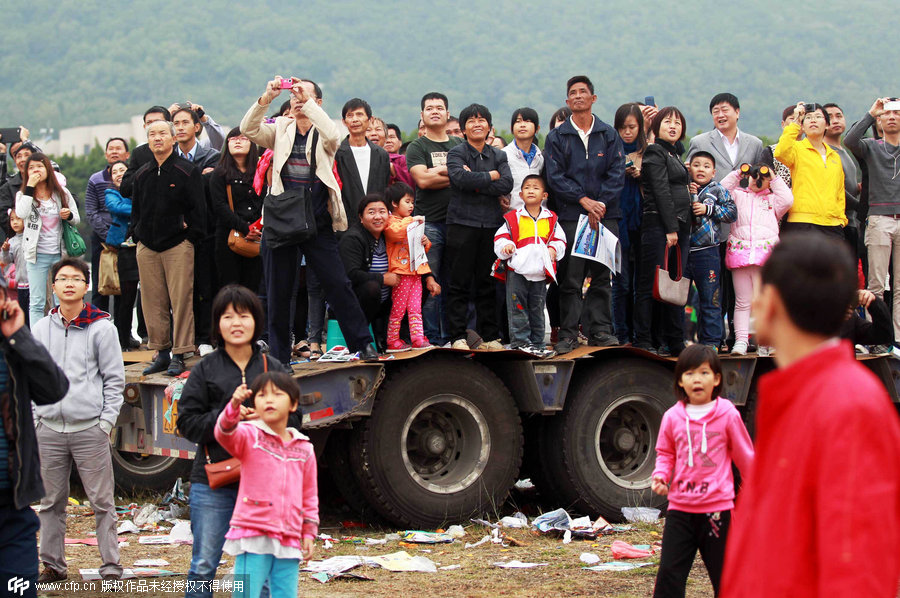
437	435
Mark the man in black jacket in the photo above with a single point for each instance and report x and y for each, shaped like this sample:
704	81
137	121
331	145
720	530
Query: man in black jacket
142	154
585	166
168	216
363	166
27	374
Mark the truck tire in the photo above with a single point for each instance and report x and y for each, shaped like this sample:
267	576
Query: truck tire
135	472
607	436
337	459
443	443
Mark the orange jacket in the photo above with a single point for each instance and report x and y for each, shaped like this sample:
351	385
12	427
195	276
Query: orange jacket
398	248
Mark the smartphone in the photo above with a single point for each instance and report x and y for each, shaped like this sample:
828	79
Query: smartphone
629	164
10	135
649	101
287	83
892	105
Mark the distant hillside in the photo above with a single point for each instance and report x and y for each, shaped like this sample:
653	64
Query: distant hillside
68	63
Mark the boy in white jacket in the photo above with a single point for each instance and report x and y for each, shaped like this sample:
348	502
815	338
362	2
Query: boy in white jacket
531	241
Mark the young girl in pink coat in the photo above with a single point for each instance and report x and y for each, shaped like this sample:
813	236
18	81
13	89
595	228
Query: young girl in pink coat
760	207
698	440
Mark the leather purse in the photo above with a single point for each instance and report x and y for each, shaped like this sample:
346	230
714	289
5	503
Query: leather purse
224	473
667	290
237	242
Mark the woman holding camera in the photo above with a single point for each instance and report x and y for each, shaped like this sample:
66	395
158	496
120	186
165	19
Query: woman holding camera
43	203
817	175
666	223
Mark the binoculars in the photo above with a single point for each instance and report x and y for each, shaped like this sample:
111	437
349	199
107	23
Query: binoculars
753	172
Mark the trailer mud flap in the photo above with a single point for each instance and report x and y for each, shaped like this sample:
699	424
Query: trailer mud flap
537	386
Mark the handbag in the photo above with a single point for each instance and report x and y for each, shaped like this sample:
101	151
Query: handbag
108	272
72	240
288	218
667	290
224	473
237	242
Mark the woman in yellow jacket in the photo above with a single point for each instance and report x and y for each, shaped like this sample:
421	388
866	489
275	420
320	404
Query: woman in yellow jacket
816	172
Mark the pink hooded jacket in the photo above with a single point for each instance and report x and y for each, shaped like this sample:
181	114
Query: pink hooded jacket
694	457
755	232
278	495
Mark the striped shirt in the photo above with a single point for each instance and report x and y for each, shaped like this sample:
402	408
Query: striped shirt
380	264
296	173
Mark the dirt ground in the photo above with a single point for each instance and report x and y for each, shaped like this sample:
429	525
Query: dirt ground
562	576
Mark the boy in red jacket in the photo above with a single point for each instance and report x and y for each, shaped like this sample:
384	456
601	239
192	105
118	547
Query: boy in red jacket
821	508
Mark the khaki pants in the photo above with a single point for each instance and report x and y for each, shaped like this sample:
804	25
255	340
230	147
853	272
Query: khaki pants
167	282
883	242
90	451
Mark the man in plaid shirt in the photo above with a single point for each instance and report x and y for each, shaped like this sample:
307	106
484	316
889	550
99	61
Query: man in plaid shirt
711	204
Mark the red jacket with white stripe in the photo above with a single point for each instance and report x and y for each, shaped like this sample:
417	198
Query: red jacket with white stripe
532	238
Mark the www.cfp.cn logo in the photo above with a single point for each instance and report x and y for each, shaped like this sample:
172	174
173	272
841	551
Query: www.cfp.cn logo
17	585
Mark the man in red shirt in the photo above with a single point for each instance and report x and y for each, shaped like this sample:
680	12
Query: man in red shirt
820	512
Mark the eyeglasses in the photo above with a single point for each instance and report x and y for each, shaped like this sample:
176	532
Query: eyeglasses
66	279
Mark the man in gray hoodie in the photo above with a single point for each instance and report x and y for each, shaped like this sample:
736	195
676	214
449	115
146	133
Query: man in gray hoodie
84	343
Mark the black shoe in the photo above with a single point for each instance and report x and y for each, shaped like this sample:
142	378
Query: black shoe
134	343
176	366
566	345
49	575
603	340
370	353
159	365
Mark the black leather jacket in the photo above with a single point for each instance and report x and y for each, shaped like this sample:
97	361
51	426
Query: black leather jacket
664	181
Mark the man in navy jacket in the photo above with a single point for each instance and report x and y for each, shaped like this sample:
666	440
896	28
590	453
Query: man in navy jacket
585	167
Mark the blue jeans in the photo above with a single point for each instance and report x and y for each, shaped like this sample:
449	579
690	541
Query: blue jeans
433	310
18	548
703	267
37	284
210	514
254	570
525	302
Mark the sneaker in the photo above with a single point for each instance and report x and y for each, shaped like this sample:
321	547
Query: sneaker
160	364
205	349
541	352
861	350
566	345
664	351
603	340
460	344
494	345
49	575
176	366
764	351
879	349
740	348
421	343
398	346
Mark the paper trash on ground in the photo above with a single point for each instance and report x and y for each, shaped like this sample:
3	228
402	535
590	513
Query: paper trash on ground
617	566
418	537
127	527
518	565
478	543
552	520
414	233
644	514
151	563
589	558
600	245
402	561
517	520
94	574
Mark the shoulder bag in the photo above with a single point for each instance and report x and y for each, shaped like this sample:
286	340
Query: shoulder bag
667	290
72	240
237	242
288	218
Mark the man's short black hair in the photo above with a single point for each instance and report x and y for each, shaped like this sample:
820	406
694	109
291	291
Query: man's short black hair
535	177
73	262
111	139
816	278
316	88
395	193
528	114
370	199
728	98
657	120
702	154
579	79
158	110
242	300
435	95
193	113
832	105
471	111
355	104
787	112
395	129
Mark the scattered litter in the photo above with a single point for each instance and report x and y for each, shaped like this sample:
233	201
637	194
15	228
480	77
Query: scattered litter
151	563
94	574
374	541
617	566
518	565
176	494
402	561
127	527
624	550
326	577
147	514
479	542
553	520
485	523
525	484
450	567
85	541
567	537
391	537
589	558
74	502
642	514
417	537
456	531
518	520
181	533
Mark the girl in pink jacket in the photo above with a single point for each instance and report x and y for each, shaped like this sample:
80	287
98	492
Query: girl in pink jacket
276	516
698	439
761	203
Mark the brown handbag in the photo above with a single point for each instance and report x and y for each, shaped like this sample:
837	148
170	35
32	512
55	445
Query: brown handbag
667	290
237	242
224	473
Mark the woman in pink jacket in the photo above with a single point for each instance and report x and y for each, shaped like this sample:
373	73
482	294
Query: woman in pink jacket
698	440
762	200
276	516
